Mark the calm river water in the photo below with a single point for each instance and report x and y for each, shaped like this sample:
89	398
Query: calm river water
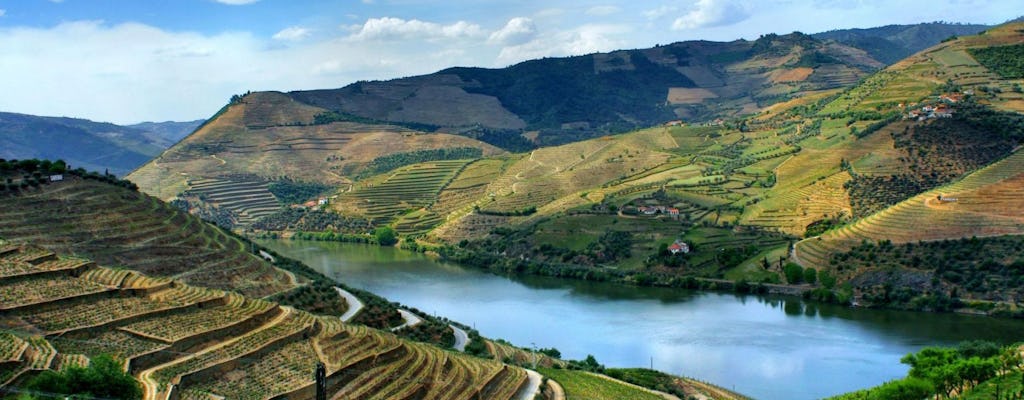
765	347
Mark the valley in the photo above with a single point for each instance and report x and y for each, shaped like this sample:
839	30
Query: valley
788	215
802	181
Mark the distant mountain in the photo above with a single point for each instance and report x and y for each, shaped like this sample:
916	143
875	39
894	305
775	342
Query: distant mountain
170	130
892	43
82	143
572	98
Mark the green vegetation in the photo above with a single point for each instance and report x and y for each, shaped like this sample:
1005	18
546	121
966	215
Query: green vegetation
1007	61
969	267
385	236
300	219
292	192
390	162
648	378
937	153
966	371
103	378
584	385
318	297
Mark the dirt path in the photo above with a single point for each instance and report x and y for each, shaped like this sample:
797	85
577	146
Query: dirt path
663	395
151	387
557	393
410	319
354	305
528	392
461	338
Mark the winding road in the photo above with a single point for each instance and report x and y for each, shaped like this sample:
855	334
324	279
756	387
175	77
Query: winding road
410	319
528	392
461	338
354	305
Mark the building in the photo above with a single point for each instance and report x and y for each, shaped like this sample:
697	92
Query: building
679	246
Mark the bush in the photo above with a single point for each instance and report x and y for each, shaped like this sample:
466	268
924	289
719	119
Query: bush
103	378
385	236
794	273
810	275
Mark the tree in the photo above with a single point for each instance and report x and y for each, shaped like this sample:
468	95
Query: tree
103	378
903	389
385	236
794	273
827	279
810	275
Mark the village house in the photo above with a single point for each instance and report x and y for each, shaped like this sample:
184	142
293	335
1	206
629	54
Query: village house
679	246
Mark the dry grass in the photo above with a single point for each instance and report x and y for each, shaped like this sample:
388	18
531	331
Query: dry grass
791	75
689	95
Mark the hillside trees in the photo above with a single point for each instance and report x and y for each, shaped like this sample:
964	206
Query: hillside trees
390	162
103	378
385	236
1007	61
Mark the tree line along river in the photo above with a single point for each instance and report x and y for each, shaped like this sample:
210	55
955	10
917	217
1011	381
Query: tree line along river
762	346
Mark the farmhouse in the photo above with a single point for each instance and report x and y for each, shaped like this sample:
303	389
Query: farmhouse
679	246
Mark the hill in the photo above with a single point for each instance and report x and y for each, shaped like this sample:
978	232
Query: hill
181	341
565	99
171	131
80	142
737	193
265	138
943	122
207	309
892	43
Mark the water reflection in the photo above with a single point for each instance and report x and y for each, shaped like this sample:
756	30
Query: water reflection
749	343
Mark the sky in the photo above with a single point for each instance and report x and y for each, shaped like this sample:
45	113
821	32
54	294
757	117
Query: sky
128	61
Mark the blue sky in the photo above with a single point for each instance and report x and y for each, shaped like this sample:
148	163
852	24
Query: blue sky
127	61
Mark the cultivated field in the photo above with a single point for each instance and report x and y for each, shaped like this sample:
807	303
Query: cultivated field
123	228
186	342
982	204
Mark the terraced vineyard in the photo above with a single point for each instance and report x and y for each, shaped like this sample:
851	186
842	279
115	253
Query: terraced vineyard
249	200
989	196
118	227
186	342
407	188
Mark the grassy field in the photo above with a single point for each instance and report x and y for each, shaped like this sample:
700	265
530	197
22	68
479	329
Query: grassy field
584	385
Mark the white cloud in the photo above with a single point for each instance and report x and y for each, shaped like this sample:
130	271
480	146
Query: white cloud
292	33
585	39
603	10
517	31
712	13
132	72
2	12
389	28
660	11
232	2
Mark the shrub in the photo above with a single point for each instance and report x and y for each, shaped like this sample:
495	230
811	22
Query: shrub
794	273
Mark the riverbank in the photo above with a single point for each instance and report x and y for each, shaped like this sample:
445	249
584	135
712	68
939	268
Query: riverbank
715	336
841	295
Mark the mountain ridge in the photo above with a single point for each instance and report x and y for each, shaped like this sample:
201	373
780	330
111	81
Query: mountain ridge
84	143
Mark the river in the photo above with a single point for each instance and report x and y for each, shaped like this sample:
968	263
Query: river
765	347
